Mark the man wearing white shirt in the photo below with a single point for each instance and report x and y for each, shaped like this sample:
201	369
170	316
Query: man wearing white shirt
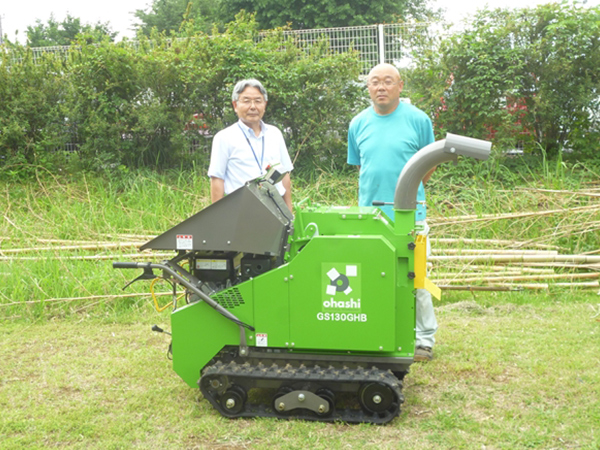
242	151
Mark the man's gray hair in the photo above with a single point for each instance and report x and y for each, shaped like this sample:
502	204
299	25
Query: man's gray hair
241	85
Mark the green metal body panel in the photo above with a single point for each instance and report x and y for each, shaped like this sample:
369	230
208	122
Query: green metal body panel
272	308
199	332
345	289
349	317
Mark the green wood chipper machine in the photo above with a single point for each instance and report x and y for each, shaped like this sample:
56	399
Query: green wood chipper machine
308	316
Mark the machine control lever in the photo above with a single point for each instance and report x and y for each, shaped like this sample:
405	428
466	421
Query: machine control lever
128	265
380	203
159	329
148	274
170	349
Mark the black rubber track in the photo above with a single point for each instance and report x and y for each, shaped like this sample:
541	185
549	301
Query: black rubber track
221	380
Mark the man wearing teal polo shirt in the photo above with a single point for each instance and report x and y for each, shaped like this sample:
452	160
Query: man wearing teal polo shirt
381	140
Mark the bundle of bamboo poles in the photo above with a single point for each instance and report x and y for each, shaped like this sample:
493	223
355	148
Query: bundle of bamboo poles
477	269
437	221
61	251
474	269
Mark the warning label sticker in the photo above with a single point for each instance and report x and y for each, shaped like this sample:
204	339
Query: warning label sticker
261	340
211	264
185	242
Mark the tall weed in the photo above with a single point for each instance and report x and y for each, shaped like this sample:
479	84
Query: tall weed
132	205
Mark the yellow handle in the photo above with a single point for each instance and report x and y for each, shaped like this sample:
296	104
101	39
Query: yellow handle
158	308
421	280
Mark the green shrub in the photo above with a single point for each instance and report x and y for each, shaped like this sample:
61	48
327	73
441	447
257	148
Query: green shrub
131	105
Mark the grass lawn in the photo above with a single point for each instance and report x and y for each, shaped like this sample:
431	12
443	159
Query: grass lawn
522	373
80	368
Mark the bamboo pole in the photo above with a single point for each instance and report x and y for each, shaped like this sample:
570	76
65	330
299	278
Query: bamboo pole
444	275
131	236
475	251
593	266
437	221
527	286
494	241
519	266
519	258
590	284
91	297
523	278
436	274
98	246
557	191
87	257
67	241
478	288
497	287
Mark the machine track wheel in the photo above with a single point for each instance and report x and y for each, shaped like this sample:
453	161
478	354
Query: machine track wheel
233	400
280	393
400	375
375	398
330	397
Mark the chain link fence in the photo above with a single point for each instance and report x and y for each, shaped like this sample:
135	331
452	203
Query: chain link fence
391	43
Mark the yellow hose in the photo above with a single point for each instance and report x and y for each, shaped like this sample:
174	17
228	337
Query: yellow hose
158	308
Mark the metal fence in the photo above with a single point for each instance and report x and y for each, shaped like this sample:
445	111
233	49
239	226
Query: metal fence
390	43
375	44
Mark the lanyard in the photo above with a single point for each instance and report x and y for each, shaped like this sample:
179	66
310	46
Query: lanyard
262	155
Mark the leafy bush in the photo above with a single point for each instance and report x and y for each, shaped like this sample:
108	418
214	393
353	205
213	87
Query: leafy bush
134	106
526	75
32	93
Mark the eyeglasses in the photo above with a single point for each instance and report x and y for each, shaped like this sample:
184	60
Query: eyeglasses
249	101
376	83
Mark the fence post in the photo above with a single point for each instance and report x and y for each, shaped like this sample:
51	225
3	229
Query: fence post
381	44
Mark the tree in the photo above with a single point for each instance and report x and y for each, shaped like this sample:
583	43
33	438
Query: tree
304	14
523	74
168	16
65	32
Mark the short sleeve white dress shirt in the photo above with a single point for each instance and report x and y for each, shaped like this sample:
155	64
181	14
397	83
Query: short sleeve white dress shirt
237	155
